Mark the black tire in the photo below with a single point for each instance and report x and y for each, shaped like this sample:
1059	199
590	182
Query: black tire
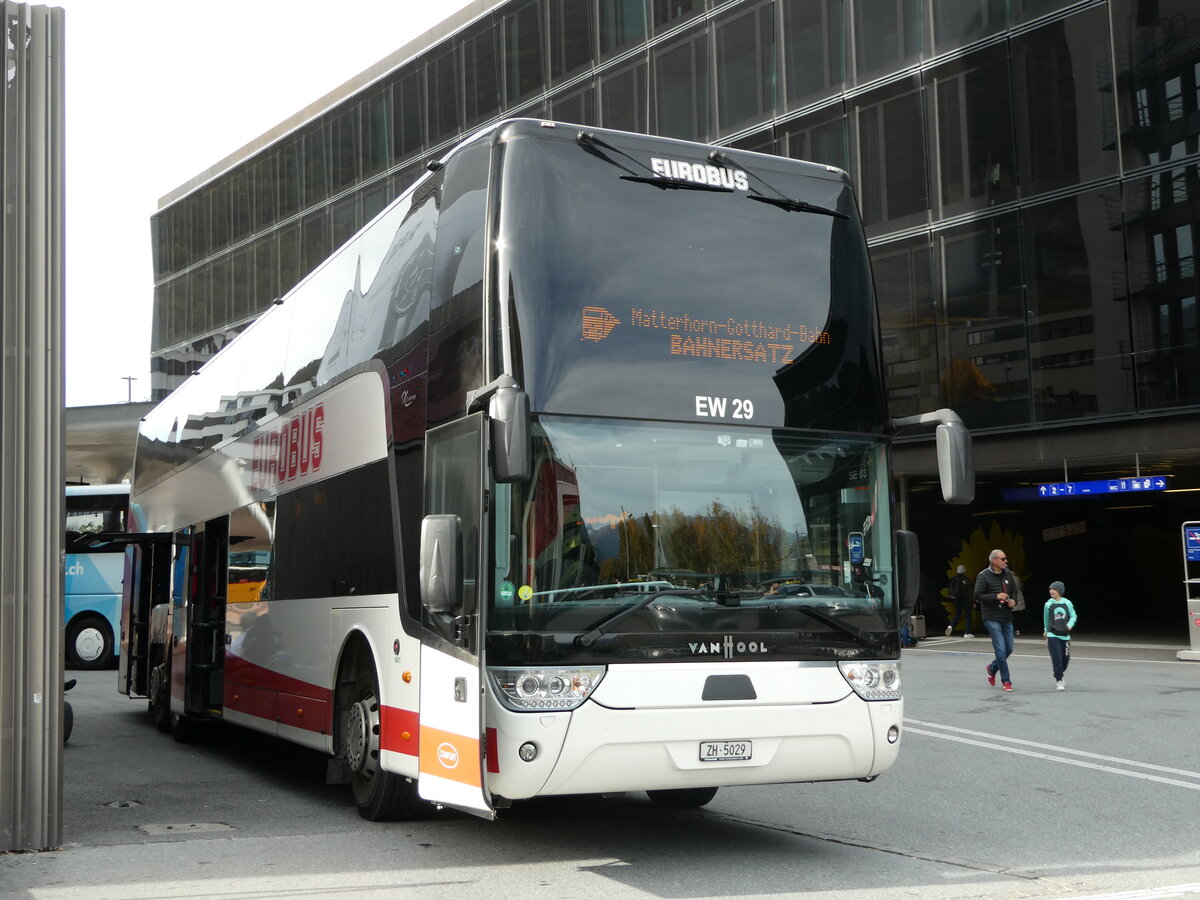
682	798
380	796
68	720
89	642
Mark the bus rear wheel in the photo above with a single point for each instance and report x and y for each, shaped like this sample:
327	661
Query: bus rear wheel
682	798
380	796
89	643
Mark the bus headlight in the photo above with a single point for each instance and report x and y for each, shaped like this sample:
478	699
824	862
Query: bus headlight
873	680
538	690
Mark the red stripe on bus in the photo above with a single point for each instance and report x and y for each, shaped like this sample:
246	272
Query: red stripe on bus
399	730
493	751
257	691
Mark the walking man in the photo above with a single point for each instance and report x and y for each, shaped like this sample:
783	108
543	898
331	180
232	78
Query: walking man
960	593
995	592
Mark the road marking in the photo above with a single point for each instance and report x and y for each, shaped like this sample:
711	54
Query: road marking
1176	890
996	742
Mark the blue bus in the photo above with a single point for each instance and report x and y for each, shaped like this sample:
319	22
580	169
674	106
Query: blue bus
92	586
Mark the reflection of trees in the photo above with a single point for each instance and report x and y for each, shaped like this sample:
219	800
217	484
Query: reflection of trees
717	540
963	383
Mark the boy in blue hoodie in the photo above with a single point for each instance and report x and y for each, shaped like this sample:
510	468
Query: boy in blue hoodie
1058	618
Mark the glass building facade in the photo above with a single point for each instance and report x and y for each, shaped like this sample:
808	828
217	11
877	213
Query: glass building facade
1028	172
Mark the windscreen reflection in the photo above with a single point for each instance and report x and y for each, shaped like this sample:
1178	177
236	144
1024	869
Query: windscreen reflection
634	528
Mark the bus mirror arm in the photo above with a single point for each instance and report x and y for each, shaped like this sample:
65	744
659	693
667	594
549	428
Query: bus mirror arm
441	564
508	415
956	464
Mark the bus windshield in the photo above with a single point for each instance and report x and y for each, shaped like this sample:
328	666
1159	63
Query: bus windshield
649	532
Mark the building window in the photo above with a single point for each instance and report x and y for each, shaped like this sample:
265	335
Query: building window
622	24
820	138
525	72
571	37
623	98
345	153
316	163
408	113
681	100
891	149
445	117
482	74
745	67
668	13
908	319
578	106
813	49
887	36
376	133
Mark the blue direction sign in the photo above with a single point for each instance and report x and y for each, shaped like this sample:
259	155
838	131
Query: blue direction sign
1066	490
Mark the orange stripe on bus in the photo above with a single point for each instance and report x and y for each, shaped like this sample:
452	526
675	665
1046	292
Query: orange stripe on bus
451	756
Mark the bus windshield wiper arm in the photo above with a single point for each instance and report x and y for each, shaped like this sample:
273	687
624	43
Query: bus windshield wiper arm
590	142
863	637
586	640
781	200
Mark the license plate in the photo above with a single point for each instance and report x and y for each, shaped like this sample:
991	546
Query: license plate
722	751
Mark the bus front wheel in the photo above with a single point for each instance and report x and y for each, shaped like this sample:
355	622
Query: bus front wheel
89	643
379	795
682	798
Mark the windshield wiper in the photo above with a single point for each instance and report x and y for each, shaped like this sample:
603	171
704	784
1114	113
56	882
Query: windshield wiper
600	628
590	142
781	200
863	637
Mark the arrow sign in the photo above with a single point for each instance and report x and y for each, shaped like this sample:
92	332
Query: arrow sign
1074	490
597	323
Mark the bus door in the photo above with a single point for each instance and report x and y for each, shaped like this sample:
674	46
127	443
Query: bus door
147	583
198	639
451	716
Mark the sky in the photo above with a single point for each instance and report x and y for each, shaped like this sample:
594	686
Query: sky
157	91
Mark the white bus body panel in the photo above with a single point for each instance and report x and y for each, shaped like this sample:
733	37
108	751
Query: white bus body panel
642	729
451	749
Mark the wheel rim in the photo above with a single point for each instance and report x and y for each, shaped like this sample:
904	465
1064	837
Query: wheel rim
89	644
362	745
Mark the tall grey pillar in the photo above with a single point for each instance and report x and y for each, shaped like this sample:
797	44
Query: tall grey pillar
31	427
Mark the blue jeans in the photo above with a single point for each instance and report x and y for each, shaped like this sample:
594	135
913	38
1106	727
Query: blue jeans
962	613
1002	642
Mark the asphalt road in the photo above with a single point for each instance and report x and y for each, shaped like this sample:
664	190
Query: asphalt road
1089	792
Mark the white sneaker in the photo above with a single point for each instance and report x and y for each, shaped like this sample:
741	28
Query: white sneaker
949	628
968	634
1059	686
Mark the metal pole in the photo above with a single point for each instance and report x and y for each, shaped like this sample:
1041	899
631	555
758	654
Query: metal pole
31	427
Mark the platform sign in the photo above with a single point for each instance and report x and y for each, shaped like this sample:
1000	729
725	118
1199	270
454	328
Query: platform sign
1191	541
1069	490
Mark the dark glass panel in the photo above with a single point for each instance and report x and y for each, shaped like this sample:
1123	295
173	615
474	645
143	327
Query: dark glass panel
343	220
289	257
822	137
179	310
200	300
986	374
1061	108
376	133
266	181
345	150
291	181
160	244
482	72
160	330
623	98
266	273
681	98
241	204
242	285
220	292
218	213
908	324
445	110
622	24
524	67
374	198
1074	266
200	241
745	66
315	240
887	36
668	13
814	49
763	141
1027	10
572	43
579	106
1162	229
972	125
316	163
408	120
1158	70
890	132
957	23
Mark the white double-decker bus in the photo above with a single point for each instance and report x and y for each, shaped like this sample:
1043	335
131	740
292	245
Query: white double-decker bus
568	474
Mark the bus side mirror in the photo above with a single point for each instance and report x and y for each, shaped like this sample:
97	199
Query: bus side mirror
508	411
956	465
908	572
441	564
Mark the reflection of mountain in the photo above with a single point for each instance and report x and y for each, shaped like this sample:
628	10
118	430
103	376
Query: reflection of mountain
606	540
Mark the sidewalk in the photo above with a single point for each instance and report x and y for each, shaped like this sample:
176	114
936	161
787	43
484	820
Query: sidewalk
1155	648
